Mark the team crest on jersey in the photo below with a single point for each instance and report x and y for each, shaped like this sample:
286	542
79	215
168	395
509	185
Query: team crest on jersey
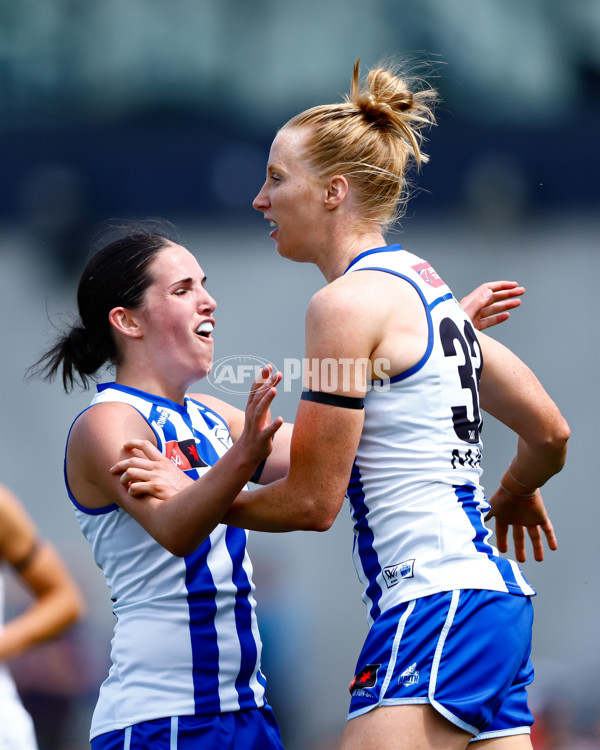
428	274
393	574
367	677
184	454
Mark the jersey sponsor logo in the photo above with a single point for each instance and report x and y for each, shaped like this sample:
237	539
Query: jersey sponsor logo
410	676
393	574
184	454
164	416
428	274
367	677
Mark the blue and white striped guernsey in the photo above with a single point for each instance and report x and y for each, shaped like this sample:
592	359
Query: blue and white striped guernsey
186	639
416	499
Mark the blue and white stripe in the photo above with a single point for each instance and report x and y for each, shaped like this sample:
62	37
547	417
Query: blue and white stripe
186	637
416	499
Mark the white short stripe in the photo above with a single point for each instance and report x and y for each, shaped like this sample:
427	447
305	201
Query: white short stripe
395	647
174	732
436	664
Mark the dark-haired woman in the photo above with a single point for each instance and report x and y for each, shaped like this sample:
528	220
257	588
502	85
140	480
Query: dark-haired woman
186	649
391	414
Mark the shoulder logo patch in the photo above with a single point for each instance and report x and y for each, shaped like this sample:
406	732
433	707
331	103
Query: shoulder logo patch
428	274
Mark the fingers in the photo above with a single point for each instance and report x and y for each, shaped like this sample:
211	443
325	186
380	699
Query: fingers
262	393
131	473
140	489
551	539
519	543
537	542
128	463
265	380
508	287
485	321
273	427
501	536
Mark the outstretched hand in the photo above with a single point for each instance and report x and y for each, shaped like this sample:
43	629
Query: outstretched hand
489	303
258	432
524	515
148	472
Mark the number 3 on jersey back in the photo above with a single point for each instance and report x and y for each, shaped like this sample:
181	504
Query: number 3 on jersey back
469	372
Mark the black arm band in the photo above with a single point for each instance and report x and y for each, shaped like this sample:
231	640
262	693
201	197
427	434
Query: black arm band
258	471
25	561
334	399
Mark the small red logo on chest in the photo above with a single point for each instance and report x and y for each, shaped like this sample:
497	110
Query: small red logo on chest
184	454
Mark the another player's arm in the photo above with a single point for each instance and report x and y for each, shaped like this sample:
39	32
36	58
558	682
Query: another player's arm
57	601
325	436
100	471
511	392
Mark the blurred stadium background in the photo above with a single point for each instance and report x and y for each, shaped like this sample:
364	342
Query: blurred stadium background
128	109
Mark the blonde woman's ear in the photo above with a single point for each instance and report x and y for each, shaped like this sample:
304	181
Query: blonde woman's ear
337	189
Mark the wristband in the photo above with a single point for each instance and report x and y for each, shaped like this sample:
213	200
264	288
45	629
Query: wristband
512	476
516	494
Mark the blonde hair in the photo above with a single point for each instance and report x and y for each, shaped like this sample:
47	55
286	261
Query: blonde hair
373	137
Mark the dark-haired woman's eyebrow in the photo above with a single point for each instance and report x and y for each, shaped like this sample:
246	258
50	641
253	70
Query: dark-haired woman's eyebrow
187	281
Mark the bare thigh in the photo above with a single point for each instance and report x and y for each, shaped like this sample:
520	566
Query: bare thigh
517	742
418	727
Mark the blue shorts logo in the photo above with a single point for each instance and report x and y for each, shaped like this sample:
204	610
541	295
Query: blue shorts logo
410	676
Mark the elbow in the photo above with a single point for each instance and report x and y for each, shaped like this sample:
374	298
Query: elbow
318	523
72	607
76	611
180	550
554	442
179	545
181	542
559	439
319	513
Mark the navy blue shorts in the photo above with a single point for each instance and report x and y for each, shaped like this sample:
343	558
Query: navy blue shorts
255	729
466	653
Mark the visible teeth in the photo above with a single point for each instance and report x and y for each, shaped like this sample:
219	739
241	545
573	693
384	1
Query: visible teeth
205	328
272	224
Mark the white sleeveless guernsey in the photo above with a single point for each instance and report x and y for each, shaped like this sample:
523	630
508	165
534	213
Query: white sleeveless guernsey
186	639
416	499
16	726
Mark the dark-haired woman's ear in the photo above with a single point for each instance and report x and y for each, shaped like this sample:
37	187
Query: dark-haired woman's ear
337	189
125	322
